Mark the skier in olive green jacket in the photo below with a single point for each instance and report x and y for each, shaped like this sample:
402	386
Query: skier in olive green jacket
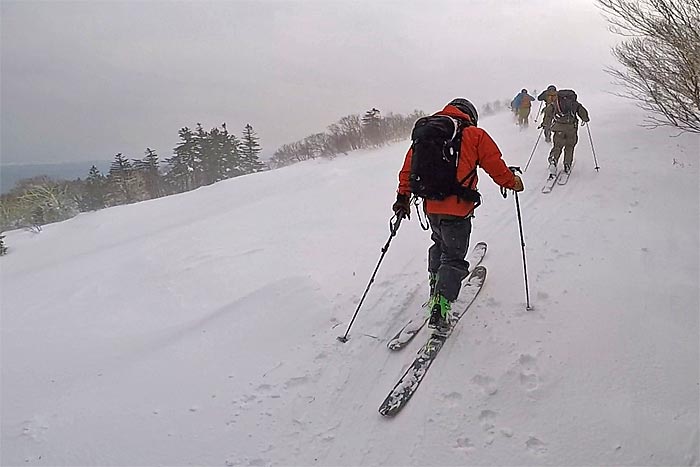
564	113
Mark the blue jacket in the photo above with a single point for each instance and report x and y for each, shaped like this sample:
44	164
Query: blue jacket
519	100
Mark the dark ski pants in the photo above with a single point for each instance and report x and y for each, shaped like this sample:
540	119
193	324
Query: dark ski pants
450	236
565	140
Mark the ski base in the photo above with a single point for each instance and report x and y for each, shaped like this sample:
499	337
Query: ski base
411	379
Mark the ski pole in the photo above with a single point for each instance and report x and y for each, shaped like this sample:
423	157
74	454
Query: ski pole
595	159
522	240
393	228
533	150
538	111
522	244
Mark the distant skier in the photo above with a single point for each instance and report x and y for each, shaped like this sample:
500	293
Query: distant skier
523	104
547	97
514	109
449	193
564	112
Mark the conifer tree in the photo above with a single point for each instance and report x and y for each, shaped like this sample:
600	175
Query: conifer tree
250	148
121	181
182	164
95	196
147	168
230	148
214	155
205	158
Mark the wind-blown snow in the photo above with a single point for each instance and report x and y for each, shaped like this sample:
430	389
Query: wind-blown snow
201	328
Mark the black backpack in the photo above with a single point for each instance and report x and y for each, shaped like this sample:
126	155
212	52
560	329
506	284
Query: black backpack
566	107
434	159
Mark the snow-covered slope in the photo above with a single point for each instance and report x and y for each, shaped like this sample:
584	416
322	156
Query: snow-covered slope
200	329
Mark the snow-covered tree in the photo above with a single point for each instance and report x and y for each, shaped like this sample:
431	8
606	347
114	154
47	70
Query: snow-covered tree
250	150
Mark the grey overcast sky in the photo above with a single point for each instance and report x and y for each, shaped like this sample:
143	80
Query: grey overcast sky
87	80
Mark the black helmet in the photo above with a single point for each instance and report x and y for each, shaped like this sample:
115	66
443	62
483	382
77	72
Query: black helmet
551	87
523	90
466	107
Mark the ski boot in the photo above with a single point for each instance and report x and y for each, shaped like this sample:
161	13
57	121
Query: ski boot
567	168
440	314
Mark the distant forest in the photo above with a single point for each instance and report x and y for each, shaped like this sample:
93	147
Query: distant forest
200	158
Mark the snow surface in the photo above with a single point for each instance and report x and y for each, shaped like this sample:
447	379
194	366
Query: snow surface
200	329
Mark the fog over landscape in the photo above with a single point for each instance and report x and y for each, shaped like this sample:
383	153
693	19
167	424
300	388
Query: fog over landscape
196	297
98	78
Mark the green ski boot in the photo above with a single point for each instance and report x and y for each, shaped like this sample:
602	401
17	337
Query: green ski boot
440	314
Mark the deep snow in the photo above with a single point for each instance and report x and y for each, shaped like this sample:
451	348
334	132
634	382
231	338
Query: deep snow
200	329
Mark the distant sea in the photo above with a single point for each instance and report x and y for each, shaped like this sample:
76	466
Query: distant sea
10	174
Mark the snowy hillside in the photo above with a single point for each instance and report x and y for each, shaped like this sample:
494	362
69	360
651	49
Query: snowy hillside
200	329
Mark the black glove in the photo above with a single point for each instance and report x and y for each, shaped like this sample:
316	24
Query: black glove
402	206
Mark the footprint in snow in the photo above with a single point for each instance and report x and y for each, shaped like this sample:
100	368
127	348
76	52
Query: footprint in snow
464	444
535	446
486	383
528	372
487	418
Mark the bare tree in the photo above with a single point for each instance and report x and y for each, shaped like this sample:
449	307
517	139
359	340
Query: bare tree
661	58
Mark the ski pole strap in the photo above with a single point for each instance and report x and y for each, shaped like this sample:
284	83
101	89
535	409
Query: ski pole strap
394	224
423	220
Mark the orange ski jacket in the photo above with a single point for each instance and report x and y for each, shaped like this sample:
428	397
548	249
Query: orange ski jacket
477	149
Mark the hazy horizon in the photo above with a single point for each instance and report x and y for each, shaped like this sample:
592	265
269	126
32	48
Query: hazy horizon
97	79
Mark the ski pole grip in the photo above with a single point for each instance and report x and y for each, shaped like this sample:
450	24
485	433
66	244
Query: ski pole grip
515	169
394	224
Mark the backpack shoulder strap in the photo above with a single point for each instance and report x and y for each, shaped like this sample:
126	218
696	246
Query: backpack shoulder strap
472	173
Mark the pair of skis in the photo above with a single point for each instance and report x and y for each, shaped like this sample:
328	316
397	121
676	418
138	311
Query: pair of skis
561	178
412	377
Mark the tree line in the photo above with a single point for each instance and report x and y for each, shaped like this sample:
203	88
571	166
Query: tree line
200	158
347	134
352	132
